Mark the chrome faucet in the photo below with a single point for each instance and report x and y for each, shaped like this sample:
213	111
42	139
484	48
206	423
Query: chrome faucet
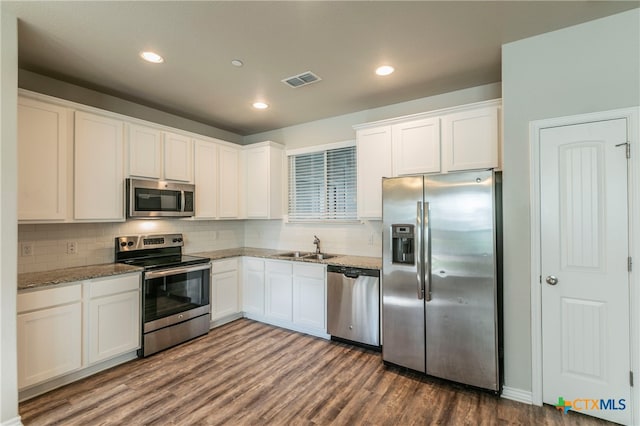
316	241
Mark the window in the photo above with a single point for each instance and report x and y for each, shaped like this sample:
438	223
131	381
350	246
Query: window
322	185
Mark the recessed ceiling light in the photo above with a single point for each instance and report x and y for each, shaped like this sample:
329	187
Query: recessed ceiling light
384	70
237	63
260	105
152	57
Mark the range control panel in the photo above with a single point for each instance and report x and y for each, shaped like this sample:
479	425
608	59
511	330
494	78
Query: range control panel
145	242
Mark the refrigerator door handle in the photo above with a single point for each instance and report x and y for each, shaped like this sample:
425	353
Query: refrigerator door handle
420	249
426	272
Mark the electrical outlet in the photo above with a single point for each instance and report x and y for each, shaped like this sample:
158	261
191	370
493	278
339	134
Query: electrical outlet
72	247
371	237
27	249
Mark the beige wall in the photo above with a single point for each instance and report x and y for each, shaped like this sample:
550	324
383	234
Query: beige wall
589	67
59	89
8	217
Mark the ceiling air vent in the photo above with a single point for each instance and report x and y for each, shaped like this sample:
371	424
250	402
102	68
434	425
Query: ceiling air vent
301	79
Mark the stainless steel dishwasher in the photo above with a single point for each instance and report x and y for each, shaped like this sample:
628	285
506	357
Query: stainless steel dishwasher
353	304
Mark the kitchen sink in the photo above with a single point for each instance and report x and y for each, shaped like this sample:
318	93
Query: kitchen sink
295	254
319	256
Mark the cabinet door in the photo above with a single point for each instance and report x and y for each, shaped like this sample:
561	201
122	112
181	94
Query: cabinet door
49	343
177	158
279	291
258	191
416	147
309	296
99	174
145	151
374	163
114	325
224	295
206	179
228	186
42	160
253	293
470	139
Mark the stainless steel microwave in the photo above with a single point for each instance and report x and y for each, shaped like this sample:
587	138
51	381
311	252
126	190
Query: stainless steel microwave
151	198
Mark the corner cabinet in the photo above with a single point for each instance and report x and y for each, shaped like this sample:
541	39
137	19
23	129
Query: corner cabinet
99	171
253	287
264	163
225	290
44	149
443	141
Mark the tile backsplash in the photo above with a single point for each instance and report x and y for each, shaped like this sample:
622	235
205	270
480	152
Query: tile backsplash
48	243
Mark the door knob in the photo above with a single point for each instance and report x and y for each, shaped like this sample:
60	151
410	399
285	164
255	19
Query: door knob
552	280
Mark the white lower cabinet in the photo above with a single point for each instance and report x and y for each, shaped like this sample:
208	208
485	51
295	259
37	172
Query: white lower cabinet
49	334
278	289
114	316
309	296
288	294
99	318
225	295
253	287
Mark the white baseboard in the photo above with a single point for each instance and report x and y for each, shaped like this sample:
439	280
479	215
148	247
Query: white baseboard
517	395
12	422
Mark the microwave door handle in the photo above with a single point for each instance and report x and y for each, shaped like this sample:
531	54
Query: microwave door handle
182	200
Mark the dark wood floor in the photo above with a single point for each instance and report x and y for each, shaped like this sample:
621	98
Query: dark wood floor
248	373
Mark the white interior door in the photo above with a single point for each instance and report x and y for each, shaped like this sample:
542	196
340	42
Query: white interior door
584	260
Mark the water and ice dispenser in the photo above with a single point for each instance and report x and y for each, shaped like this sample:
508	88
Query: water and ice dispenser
403	244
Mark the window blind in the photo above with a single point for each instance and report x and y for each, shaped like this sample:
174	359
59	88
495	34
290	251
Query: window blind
322	185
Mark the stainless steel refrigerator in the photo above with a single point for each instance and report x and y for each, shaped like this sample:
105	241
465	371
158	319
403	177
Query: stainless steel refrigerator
440	286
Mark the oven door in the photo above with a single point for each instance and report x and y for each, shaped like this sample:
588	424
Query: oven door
175	295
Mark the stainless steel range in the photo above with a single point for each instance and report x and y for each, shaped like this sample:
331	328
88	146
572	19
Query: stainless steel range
175	297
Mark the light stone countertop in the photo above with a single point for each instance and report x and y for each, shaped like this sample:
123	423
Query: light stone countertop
338	260
36	280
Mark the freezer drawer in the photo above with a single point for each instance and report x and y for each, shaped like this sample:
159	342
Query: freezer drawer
353	304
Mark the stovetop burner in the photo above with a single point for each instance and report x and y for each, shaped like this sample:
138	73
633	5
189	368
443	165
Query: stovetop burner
154	251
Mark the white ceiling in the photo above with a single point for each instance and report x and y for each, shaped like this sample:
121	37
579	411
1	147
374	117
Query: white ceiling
436	47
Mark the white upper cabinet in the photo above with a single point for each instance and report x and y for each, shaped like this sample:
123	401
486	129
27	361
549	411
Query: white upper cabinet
460	138
265	173
374	163
99	171
470	139
155	154
145	151
178	163
44	144
206	179
228	182
416	147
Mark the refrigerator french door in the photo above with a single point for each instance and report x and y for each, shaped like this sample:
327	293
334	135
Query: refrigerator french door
439	276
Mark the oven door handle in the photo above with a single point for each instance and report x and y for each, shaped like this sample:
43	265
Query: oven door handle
175	271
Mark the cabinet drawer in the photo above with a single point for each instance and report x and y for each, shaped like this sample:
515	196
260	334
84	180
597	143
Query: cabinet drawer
47	298
224	265
311	271
108	286
284	267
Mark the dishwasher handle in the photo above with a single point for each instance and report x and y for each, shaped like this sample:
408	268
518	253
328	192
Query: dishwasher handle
353	272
